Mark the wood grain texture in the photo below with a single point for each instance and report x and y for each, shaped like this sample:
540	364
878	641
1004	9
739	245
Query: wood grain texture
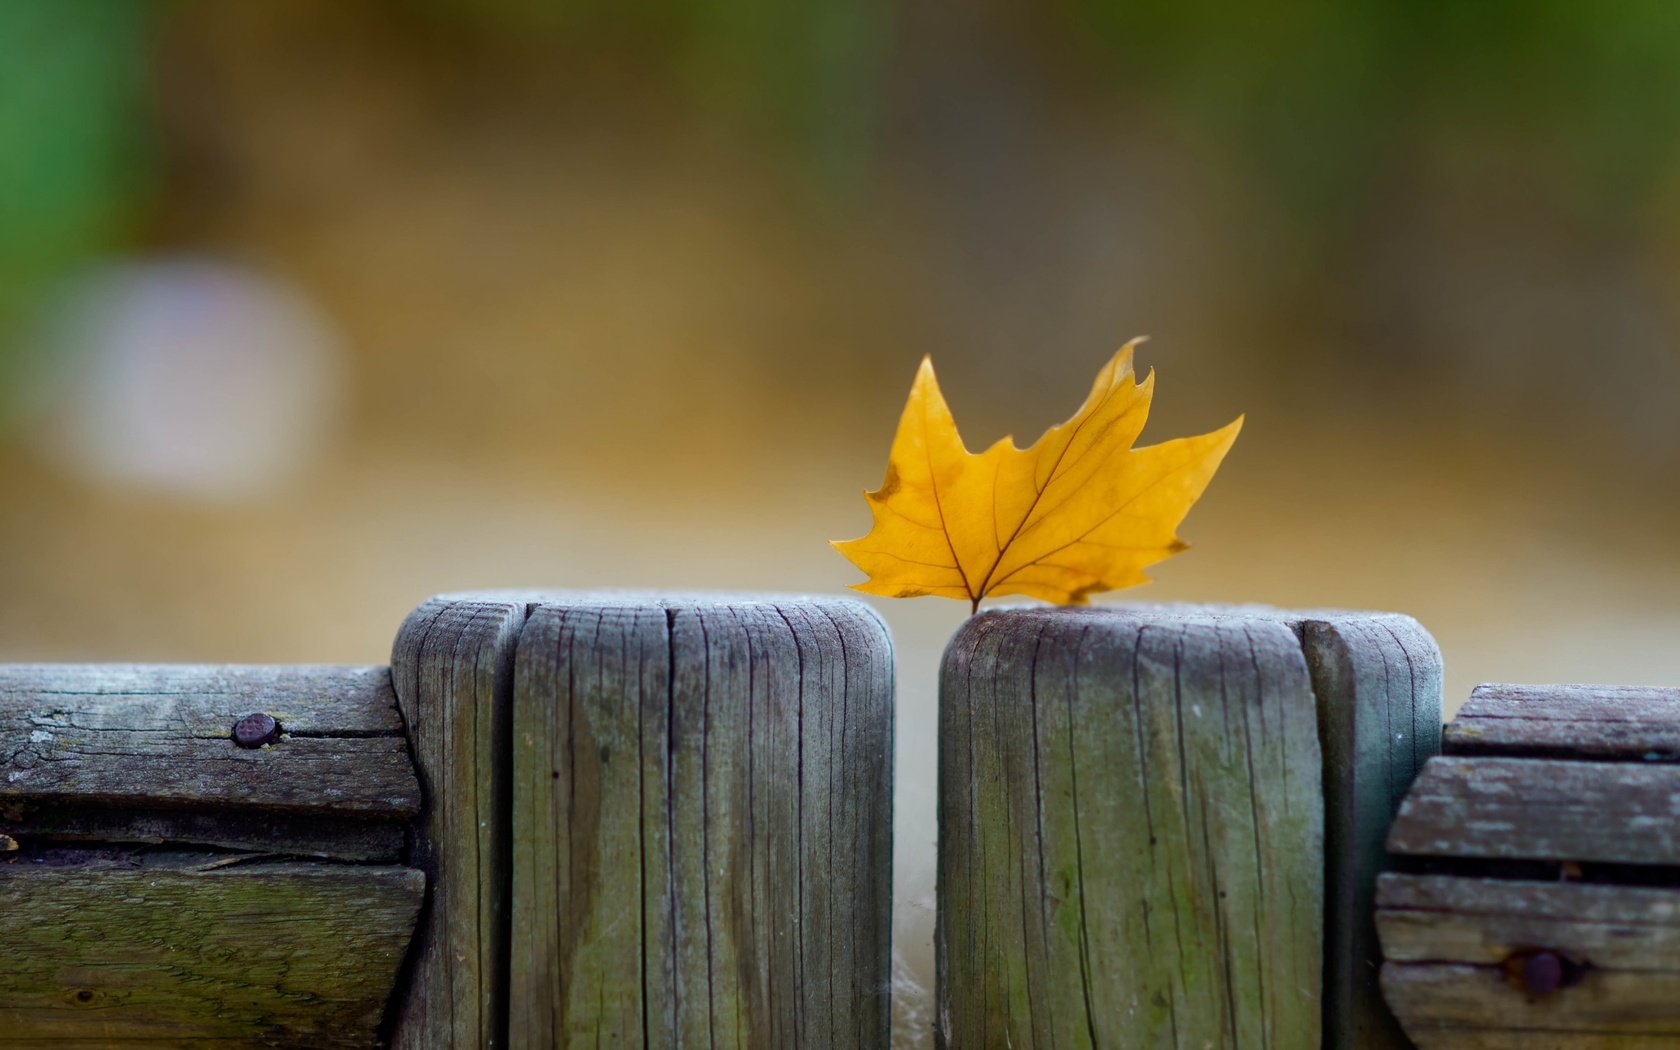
173	949
1482	921
1577	780
452	665
1453	1006
1542	809
1378	681
144	753
1131	832
703	800
1597	722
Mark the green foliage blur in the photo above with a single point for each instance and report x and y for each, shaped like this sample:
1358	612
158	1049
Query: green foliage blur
1317	90
78	165
1312	101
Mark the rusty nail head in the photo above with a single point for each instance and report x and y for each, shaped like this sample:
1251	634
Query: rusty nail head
1542	972
255	730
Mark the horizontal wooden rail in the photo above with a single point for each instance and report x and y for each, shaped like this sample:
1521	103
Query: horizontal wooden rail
172	881
1534	897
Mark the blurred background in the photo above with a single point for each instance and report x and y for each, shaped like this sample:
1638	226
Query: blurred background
311	309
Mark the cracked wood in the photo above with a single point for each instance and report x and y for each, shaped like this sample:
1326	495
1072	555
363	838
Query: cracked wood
1597	722
1542	787
144	753
1542	809
703	798
1136	849
1446	937
1131	833
452	666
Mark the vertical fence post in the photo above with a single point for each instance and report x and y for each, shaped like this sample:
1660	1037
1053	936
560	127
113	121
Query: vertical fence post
452	669
1378	681
1134	845
702	812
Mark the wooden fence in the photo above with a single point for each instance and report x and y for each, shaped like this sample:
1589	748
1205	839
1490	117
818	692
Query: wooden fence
563	820
665	821
1161	827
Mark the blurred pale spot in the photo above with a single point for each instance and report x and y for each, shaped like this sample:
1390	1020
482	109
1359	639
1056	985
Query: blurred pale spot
192	377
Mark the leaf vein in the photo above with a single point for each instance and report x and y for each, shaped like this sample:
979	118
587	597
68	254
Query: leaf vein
1139	494
1038	492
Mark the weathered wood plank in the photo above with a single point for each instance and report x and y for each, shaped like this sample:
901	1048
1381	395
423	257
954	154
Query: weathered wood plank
149	736
1454	1006
1378	681
1542	809
144	753
1130	832
187	950
703	800
1483	921
452	665
1579	780
1602	722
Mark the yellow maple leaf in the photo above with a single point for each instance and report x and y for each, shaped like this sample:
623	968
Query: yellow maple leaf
1081	511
